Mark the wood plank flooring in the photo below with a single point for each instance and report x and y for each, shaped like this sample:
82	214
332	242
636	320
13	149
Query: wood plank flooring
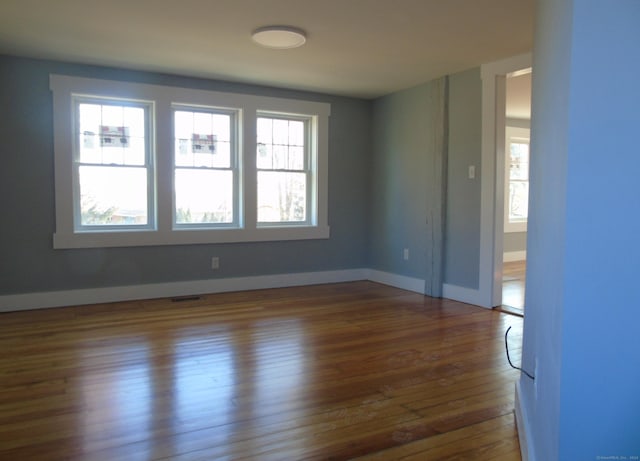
341	371
513	285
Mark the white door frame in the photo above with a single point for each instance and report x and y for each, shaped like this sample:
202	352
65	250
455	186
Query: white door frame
493	75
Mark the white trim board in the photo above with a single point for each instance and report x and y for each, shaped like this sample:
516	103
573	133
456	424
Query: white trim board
398	281
523	427
29	301
464	295
491	244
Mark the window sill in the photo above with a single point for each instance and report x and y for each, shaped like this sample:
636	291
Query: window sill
186	237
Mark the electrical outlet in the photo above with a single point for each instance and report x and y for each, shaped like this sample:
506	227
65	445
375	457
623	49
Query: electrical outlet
215	263
405	254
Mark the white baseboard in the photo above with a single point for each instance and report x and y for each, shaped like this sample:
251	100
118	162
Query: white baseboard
522	422
398	281
510	256
462	294
28	301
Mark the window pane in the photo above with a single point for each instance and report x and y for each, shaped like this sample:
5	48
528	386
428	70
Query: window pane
296	133
280	131
281	144
112	115
296	158
202	139
519	161
280	157
183	124
111	134
281	197
203	149
221	127
265	157
136	153
203	196
134	120
89	118
202	123
265	130
518	201
113	195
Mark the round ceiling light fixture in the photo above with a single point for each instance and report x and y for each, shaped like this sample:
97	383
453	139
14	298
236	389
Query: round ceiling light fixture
279	37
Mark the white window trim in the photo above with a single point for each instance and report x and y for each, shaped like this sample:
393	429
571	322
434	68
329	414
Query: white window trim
513	134
164	97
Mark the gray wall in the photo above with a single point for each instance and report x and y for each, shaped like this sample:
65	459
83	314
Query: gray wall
404	201
542	338
515	241
29	263
405	198
386	190
462	241
582	299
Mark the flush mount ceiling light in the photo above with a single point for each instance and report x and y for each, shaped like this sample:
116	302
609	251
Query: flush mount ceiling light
279	37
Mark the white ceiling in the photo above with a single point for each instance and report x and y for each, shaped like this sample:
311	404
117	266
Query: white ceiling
363	48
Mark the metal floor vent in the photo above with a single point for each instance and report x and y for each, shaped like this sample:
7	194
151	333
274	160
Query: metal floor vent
180	299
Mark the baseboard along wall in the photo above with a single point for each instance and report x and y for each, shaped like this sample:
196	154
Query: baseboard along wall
523	427
29	301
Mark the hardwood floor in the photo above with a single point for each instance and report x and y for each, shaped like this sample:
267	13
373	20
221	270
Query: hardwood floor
332	372
513	284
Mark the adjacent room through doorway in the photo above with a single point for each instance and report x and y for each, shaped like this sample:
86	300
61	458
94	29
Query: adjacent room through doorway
516	188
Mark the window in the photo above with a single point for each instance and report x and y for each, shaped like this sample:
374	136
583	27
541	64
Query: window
140	164
517	180
283	170
205	176
112	165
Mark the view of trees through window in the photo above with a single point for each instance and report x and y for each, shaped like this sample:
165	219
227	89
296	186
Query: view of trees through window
282	176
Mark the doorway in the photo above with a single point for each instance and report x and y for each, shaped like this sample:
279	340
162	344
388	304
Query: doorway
489	291
515	205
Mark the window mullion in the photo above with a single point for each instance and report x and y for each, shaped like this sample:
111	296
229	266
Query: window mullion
164	166
249	179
